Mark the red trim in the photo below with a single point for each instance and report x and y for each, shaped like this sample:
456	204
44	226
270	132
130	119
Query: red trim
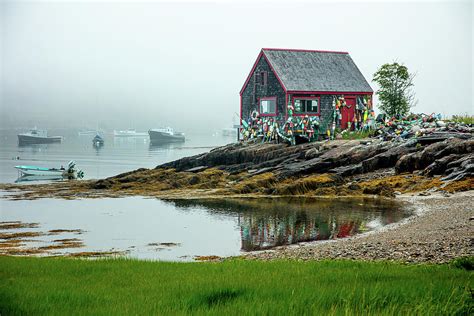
241	110
307	113
286	107
306	50
260	106
253	69
251	73
330	92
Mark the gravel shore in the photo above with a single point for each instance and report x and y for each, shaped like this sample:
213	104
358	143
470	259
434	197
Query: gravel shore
440	230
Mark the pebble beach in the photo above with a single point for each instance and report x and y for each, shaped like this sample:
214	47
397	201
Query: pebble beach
441	229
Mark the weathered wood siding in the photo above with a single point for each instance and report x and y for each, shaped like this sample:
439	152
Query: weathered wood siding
254	91
326	107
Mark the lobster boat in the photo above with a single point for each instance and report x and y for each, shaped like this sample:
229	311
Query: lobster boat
37	136
165	135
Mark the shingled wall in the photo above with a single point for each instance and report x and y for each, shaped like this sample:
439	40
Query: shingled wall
272	88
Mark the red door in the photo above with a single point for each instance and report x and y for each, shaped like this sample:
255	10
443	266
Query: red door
347	113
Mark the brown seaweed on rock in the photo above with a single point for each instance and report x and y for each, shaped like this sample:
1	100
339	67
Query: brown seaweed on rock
340	167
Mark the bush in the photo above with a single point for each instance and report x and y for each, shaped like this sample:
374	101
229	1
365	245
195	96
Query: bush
466	263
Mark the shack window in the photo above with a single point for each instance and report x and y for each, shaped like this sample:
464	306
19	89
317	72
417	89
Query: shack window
261	78
264	75
268	106
306	106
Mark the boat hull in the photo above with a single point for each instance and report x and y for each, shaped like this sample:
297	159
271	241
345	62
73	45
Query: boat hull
97	141
36	171
28	139
157	137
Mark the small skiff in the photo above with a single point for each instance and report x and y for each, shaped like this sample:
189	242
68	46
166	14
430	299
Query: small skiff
69	172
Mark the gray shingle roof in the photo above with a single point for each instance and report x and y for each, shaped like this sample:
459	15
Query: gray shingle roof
303	70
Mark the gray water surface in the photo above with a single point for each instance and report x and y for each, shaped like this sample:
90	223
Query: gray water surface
200	227
118	155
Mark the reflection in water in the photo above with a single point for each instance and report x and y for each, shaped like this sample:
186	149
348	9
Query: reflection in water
200	227
38	178
164	147
33	148
97	148
130	142
270	222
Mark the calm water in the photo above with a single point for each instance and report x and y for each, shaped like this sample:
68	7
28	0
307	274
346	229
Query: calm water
116	156
139	225
200	227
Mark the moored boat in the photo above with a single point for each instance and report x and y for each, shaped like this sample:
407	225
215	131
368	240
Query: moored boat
129	133
69	172
97	141
37	136
165	135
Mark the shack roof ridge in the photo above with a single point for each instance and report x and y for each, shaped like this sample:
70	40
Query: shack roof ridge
305	50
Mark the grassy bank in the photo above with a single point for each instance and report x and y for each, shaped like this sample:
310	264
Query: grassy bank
65	286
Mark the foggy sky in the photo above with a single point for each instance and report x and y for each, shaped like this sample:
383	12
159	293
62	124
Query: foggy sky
152	64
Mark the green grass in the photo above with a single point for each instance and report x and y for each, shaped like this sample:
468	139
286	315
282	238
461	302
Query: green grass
466	119
356	134
65	286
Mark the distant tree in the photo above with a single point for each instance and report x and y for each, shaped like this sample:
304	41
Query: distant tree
395	94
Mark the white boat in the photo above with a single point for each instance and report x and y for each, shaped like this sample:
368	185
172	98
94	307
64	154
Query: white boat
69	172
165	135
38	136
129	133
86	132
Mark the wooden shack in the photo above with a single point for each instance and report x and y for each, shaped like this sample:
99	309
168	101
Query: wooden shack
308	82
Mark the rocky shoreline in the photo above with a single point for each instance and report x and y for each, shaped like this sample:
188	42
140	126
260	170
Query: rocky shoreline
335	168
440	231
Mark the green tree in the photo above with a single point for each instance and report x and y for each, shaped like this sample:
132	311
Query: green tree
395	94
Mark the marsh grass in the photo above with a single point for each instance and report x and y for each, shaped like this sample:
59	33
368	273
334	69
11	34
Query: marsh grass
120	286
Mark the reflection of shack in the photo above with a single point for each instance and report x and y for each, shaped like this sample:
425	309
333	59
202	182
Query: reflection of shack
262	232
303	93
